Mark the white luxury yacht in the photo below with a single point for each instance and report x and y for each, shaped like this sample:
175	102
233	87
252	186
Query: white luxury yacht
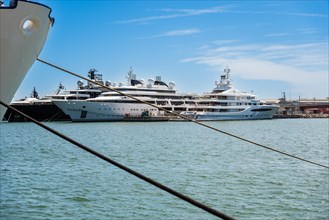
23	30
228	103
112	106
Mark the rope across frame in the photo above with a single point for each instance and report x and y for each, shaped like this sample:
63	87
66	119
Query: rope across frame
127	169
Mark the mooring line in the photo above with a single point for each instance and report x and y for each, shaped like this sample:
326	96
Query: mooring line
127	169
186	118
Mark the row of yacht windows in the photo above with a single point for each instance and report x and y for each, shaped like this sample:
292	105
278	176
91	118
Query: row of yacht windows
215	110
148	90
230	97
224	103
122	101
123	109
175	109
81	92
183	96
177	103
147	95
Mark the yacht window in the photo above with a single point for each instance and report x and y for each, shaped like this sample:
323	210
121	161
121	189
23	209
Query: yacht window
135	82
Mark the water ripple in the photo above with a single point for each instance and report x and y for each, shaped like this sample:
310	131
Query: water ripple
43	177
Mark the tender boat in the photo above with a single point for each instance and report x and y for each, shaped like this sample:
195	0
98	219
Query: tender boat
24	26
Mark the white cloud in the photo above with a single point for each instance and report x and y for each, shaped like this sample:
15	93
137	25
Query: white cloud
180	32
279	13
193	12
222	42
175	33
305	14
285	47
176	13
148	19
277	35
303	66
308	30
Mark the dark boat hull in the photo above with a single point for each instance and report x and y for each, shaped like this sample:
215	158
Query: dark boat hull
40	112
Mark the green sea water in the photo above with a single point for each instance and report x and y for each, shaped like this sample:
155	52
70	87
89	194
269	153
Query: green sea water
44	177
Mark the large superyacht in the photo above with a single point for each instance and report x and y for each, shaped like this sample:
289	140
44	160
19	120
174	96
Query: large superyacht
223	103
112	106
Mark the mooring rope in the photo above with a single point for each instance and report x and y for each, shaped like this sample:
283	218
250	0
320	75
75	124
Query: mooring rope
127	169
186	118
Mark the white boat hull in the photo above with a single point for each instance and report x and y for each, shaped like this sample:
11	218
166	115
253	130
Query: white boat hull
24	29
250	113
102	111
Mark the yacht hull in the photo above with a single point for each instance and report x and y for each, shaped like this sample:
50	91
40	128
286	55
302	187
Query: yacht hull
250	113
102	111
24	29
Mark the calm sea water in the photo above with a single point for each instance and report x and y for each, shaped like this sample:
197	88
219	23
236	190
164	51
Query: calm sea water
44	177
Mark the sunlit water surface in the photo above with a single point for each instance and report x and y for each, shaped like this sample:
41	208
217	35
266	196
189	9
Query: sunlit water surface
44	177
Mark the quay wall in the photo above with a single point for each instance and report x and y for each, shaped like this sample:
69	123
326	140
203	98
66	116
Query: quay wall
301	116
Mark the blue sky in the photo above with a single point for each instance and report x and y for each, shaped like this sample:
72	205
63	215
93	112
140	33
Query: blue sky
270	46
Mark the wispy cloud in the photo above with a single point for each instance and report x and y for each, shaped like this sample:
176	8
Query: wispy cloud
277	35
300	65
305	14
176	13
222	42
175	33
308	30
313	55
179	33
279	13
193	12
171	13
285	47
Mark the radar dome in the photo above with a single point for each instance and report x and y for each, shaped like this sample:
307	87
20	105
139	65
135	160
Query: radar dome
80	83
151	81
108	83
172	85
